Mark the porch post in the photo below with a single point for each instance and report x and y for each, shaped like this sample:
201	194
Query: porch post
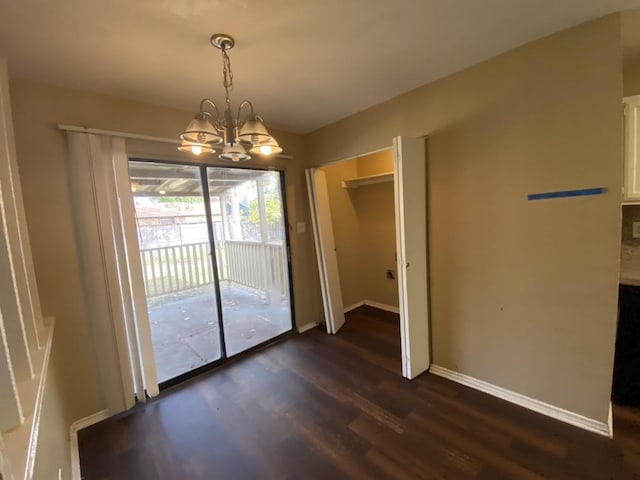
222	198
262	209
234	220
267	276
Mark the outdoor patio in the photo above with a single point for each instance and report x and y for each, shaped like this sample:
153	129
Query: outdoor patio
184	326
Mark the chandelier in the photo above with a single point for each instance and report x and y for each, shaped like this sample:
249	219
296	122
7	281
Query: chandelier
239	135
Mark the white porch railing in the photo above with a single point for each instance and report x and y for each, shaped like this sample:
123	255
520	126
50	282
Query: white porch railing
255	265
173	269
261	266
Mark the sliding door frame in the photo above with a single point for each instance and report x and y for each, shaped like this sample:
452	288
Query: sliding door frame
224	358
204	182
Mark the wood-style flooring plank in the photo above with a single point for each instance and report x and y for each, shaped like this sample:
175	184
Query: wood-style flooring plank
315	406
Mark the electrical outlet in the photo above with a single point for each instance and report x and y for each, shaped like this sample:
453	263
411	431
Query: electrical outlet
636	229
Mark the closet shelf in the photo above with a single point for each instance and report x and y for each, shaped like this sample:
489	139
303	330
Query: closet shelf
368	180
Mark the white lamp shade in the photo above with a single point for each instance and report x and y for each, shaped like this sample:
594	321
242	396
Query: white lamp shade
201	131
253	131
234	153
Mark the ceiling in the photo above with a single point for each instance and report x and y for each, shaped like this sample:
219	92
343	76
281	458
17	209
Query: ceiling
303	63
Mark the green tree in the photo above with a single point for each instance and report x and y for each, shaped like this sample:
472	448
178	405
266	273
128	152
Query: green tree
271	206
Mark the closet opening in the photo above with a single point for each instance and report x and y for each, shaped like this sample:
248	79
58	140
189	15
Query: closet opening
214	246
369	218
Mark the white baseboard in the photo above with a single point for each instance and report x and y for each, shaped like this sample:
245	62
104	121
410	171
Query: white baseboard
371	303
382	306
308	326
353	307
526	402
73	437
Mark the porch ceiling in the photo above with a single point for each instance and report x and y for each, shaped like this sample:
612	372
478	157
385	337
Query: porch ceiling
155	179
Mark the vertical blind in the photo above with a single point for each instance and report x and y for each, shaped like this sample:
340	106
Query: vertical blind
112	274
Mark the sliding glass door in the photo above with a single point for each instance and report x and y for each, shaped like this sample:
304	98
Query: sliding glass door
248	218
213	246
176	265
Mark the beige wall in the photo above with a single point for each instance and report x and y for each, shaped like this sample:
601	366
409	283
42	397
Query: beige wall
631	78
42	155
377	231
630	33
524	294
364	230
375	207
53	449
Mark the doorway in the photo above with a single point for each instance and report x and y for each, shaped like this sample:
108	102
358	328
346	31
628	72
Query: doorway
363	208
214	249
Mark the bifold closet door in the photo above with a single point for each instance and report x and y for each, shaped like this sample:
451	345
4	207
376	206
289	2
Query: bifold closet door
325	249
410	190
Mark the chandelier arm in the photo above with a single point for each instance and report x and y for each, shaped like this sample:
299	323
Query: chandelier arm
244	102
208	101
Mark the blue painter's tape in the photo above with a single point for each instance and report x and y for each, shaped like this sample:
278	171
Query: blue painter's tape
584	192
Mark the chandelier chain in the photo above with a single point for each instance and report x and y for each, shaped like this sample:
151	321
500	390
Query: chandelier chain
228	76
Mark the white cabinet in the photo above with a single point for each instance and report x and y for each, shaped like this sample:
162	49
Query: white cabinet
632	149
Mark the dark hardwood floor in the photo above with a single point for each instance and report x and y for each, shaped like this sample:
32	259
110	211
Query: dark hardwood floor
328	407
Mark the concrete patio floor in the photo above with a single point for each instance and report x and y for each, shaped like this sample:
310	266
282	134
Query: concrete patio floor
184	326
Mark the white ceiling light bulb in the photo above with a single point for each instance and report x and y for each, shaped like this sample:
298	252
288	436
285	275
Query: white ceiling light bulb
234	153
267	147
195	148
162	192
